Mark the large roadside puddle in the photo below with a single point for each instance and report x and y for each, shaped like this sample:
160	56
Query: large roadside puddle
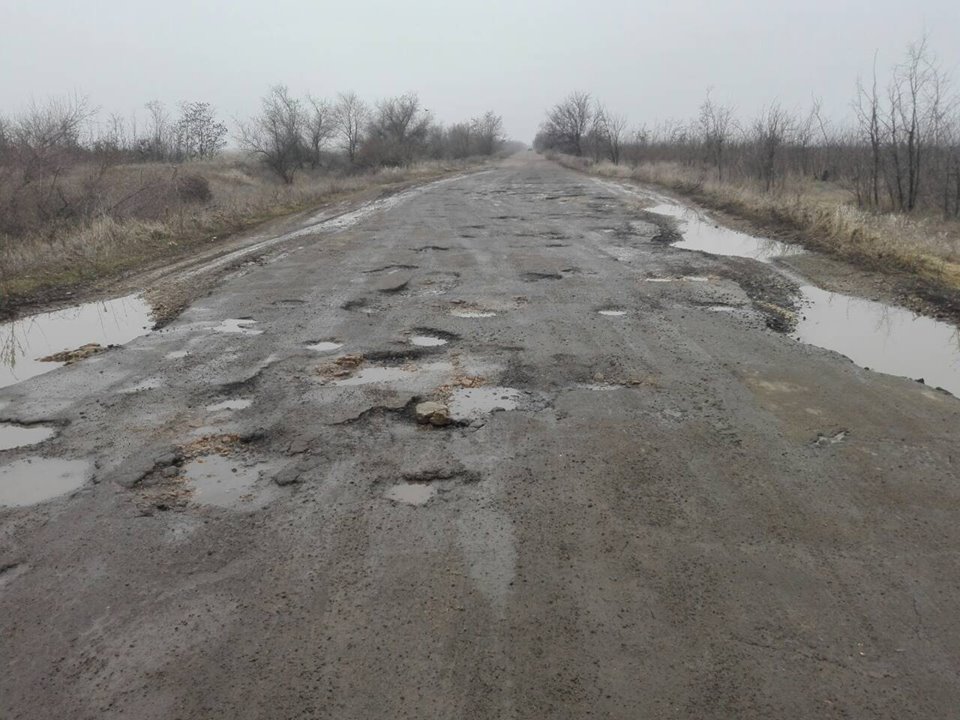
699	233
874	335
24	341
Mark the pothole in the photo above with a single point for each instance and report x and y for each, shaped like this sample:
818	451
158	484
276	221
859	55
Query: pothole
238	326
611	312
427	341
14	436
473	403
411	493
323	346
237	404
33	480
830	438
223	481
176	355
467	313
683	278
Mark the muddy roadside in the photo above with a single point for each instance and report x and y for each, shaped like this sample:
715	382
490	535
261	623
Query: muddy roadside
159	275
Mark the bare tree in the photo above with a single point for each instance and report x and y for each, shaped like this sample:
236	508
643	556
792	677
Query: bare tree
716	127
770	131
320	127
276	134
350	114
397	131
567	124
487	133
199	132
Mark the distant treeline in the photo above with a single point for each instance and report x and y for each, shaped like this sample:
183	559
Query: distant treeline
56	157
899	152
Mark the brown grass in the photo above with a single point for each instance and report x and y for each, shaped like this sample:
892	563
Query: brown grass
142	218
818	215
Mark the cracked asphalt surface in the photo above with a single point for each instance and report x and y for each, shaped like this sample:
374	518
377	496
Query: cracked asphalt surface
649	502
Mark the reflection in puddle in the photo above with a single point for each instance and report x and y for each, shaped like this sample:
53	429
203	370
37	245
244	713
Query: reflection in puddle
221	481
242	326
14	436
427	341
22	341
700	233
411	493
471	403
33	480
238	404
612	313
324	346
884	338
473	313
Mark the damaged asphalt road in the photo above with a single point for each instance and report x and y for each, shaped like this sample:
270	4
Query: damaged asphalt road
639	499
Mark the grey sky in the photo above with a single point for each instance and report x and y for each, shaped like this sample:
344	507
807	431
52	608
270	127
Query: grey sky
649	60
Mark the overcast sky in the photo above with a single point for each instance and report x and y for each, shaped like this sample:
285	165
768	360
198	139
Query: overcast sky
650	60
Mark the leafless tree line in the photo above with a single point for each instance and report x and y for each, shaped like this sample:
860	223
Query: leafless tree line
899	152
289	133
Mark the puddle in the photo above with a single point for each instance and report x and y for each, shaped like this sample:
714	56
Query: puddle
14	436
33	480
700	233
176	355
468	403
884	338
239	404
375	375
241	326
427	341
685	278
113	322
612	313
473	313
411	493
324	346
221	481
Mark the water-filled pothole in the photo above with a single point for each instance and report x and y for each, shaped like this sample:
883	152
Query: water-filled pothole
324	346
473	403
222	481
236	404
427	341
15	436
473	313
238	326
612	313
411	493
34	480
23	341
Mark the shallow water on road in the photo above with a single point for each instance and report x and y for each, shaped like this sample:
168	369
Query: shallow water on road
33	480
467	403
14	436
23	341
411	493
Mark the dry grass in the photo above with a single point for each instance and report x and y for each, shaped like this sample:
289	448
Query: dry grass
819	215
141	218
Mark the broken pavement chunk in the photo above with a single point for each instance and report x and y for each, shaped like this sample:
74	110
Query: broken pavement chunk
434	413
